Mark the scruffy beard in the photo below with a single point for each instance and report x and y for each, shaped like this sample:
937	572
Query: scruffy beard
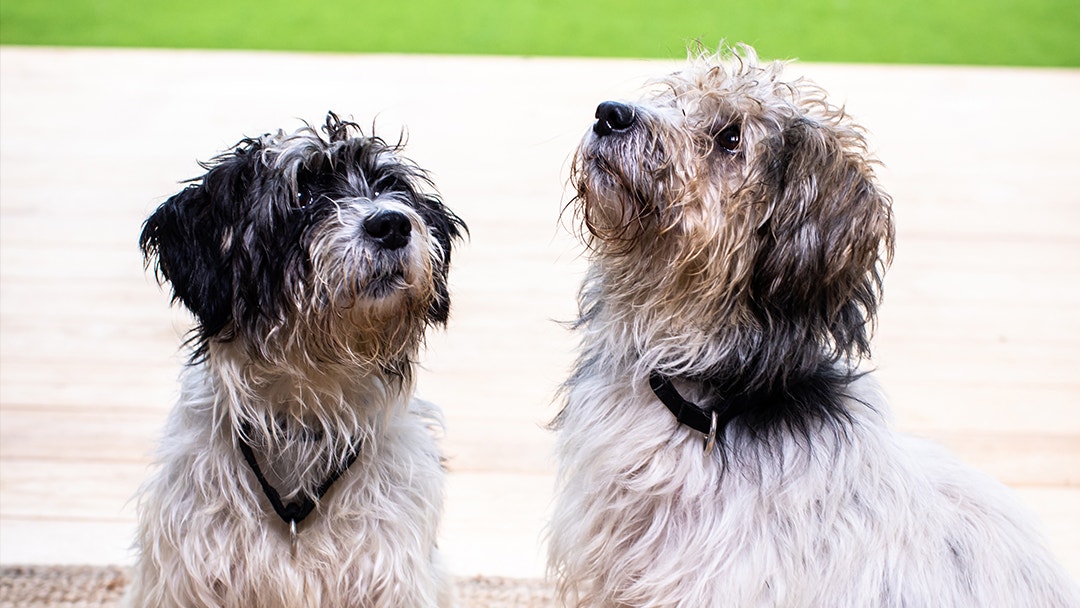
358	307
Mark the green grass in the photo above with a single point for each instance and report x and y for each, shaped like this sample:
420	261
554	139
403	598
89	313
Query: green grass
986	32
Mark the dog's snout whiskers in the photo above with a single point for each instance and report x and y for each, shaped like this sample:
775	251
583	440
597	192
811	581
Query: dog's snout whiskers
613	116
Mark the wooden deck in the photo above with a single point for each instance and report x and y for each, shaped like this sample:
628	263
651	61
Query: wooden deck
978	342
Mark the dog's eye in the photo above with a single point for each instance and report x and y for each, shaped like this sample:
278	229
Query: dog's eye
729	138
303	197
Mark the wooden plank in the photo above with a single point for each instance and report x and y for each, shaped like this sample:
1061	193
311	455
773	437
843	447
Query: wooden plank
79	434
29	540
70	490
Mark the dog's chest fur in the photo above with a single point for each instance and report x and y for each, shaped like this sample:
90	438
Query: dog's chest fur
384	509
827	518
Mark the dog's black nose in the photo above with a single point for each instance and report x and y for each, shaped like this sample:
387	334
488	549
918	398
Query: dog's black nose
390	229
612	116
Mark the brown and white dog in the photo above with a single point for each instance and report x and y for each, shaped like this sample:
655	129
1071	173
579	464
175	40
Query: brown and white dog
737	240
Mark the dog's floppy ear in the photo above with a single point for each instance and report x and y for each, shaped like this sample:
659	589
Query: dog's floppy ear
827	233
446	228
185	243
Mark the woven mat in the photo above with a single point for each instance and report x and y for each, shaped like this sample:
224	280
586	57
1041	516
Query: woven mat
101	587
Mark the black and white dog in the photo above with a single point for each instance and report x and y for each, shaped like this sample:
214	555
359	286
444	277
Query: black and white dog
297	468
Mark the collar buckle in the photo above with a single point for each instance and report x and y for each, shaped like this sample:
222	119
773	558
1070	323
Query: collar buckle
686	412
710	438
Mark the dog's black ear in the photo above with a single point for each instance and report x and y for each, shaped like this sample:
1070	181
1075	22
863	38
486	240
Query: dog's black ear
446	228
827	234
439	311
185	242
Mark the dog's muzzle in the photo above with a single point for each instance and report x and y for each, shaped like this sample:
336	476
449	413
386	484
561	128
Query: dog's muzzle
612	116
389	229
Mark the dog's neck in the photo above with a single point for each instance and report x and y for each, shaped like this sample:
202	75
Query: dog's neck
718	403
334	395
761	377
300	427
289	413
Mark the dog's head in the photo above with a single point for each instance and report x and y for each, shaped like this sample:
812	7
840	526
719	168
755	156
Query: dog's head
733	212
326	247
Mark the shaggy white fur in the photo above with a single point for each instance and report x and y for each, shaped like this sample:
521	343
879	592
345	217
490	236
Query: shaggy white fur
849	518
209	538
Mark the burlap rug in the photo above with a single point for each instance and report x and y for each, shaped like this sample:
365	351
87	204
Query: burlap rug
101	587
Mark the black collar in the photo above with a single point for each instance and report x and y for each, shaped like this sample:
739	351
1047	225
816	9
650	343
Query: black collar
294	512
799	402
686	412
